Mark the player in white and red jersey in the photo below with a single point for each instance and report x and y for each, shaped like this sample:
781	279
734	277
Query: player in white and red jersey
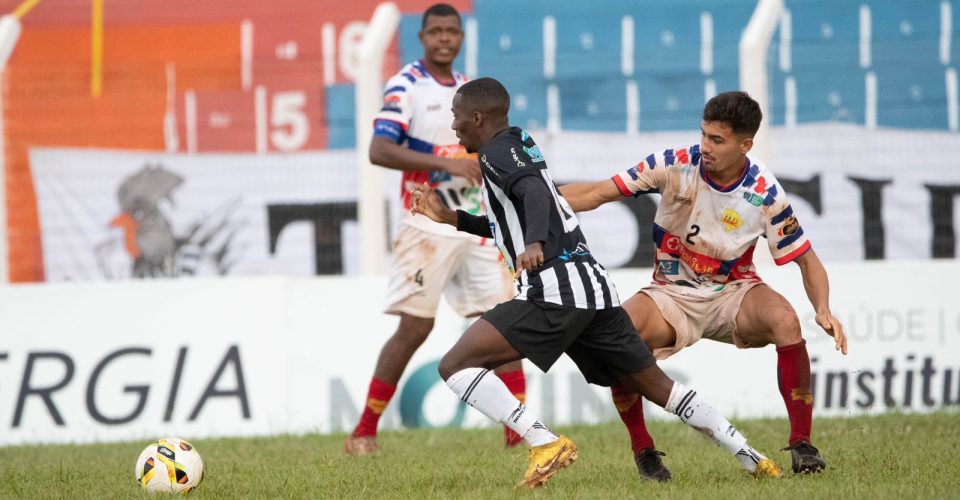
412	133
715	205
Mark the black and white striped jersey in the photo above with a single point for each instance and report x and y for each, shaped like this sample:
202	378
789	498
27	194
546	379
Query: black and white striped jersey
569	276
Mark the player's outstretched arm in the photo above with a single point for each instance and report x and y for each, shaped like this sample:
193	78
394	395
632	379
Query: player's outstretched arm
817	285
424	201
586	196
386	153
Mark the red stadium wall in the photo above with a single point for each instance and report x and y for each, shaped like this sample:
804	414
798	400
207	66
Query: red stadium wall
47	92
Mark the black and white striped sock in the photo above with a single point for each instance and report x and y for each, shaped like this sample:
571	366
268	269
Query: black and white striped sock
698	413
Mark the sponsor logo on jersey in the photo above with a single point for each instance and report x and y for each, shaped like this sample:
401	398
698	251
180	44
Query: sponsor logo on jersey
485	163
534	153
520	163
753	198
731	219
580	251
790	226
683	200
669	266
697	262
434	107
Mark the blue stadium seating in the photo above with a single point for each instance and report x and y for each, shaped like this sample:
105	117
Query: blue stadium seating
825	60
825	63
341	131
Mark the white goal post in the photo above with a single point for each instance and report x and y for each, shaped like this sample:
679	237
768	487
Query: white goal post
371	216
754	47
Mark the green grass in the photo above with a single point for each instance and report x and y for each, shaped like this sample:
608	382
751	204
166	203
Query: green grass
891	456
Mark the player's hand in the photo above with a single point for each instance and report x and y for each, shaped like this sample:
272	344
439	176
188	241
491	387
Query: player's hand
468	168
832	326
423	200
530	259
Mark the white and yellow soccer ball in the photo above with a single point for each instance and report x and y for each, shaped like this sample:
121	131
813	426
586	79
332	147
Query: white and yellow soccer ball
170	465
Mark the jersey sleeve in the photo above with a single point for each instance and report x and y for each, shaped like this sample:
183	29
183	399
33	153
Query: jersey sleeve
784	234
393	119
650	174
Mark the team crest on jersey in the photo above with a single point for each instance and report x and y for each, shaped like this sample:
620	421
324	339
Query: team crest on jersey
790	226
731	219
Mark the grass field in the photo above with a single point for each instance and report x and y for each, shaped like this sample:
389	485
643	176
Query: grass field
891	456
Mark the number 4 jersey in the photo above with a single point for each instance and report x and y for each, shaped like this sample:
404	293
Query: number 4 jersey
704	233
416	113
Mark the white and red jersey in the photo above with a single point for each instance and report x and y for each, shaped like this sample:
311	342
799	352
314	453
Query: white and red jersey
704	233
416	113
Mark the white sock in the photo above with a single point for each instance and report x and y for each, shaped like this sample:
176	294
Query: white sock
698	413
489	395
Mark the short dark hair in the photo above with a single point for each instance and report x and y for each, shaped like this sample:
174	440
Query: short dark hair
439	9
485	94
736	109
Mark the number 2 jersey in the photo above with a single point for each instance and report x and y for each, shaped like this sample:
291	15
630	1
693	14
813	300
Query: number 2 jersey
705	234
416	113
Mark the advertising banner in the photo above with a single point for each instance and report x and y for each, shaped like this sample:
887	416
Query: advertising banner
107	215
256	356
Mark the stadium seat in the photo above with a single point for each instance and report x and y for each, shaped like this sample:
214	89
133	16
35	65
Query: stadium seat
341	120
911	96
825	63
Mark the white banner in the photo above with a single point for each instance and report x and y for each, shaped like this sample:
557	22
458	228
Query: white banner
196	358
884	194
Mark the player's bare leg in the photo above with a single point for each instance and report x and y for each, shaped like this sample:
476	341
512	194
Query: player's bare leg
466	368
695	411
766	317
393	359
656	333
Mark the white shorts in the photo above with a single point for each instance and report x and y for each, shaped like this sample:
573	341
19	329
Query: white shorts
695	316
469	271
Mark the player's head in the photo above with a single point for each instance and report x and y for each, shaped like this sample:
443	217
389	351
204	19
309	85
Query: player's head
730	120
480	110
441	34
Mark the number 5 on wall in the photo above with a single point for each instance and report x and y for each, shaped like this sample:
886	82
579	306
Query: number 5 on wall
288	128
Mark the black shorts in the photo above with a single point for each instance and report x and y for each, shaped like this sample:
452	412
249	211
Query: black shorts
602	342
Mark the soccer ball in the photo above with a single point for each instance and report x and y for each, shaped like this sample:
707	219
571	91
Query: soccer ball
170	465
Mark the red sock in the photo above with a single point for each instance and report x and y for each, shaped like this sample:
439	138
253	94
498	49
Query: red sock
793	377
378	396
630	406
517	384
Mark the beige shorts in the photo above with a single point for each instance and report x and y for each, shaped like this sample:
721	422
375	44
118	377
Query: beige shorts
468	271
695	316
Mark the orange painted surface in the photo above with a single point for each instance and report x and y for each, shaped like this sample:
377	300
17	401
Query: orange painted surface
47	101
